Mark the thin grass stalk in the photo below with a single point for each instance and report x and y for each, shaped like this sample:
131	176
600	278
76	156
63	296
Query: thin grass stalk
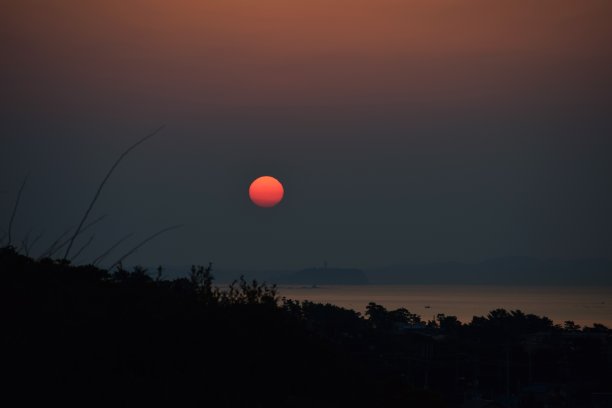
85	228
25	243
101	186
35	240
10	226
83	248
57	246
51	249
137	247
108	251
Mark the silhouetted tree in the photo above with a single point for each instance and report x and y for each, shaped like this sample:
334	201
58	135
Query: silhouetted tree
448	323
242	292
202	281
569	325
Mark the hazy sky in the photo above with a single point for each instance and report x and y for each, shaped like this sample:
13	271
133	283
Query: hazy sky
402	130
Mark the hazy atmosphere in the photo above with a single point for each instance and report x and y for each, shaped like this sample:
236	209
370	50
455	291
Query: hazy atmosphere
306	203
402	131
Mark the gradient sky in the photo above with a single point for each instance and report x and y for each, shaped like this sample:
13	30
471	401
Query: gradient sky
402	130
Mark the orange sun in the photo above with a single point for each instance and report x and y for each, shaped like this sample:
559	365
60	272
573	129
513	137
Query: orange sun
266	191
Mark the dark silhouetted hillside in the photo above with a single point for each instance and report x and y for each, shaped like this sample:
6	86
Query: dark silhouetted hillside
82	335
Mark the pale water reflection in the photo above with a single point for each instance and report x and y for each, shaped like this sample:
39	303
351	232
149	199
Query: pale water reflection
583	305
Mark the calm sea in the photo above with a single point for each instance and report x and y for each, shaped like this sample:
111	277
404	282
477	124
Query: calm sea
583	305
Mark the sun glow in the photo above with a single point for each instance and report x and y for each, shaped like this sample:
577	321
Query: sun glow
266	191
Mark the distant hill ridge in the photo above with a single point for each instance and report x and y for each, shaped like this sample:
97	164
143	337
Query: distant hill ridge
514	270
506	270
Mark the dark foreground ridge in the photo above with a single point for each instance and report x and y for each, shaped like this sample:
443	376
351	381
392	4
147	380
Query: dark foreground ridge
78	334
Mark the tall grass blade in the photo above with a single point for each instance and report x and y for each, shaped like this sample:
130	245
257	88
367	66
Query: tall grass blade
137	247
10	226
83	248
108	251
101	186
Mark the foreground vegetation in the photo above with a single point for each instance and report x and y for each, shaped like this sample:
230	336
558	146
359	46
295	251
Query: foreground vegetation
131	338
